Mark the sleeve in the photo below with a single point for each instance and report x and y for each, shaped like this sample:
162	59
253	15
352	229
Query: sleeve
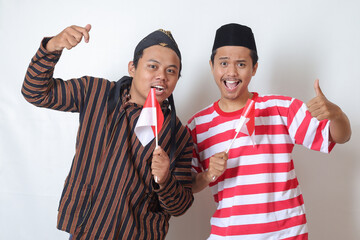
176	197
42	90
196	166
306	130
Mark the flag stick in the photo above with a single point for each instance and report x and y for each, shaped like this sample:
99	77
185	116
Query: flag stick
156	126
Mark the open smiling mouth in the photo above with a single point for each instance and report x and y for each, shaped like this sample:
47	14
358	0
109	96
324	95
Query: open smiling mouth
158	89
232	84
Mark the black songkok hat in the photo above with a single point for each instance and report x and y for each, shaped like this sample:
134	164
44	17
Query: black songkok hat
234	35
158	37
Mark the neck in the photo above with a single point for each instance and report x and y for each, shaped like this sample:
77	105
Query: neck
229	105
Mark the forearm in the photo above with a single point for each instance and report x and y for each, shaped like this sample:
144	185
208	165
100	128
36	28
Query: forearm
200	181
38	79
42	90
174	197
340	129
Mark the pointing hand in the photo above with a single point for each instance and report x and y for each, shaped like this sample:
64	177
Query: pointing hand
69	38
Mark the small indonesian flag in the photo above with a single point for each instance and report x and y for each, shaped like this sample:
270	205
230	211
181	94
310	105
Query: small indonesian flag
150	120
246	123
248	117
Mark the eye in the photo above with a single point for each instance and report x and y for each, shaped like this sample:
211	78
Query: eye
241	65
223	64
152	66
170	70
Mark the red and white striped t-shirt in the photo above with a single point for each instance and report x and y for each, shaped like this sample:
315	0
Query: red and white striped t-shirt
258	196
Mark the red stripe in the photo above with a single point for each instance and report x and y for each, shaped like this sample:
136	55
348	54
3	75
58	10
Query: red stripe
257	189
272	97
302	129
221	137
261	149
318	139
304	236
229	135
293	109
259	208
258	169
271	111
271	129
259	228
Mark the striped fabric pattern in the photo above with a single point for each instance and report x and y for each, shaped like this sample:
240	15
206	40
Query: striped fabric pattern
258	196
109	192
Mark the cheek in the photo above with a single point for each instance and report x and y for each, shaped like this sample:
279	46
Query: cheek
172	84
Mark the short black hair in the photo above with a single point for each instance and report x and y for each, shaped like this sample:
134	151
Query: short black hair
253	55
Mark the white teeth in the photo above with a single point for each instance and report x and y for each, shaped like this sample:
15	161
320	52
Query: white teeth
159	88
231	81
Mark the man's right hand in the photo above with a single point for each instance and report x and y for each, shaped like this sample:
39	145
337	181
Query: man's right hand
217	166
68	38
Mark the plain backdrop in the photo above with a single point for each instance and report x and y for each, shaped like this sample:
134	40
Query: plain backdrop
297	41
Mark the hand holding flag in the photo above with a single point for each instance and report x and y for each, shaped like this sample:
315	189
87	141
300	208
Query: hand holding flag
160	166
246	123
150	120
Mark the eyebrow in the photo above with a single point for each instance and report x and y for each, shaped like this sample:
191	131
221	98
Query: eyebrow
156	61
226	58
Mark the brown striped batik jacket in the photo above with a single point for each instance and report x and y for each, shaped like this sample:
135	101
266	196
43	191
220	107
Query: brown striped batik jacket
109	192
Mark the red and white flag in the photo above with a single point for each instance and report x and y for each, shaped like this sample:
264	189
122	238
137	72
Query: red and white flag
246	123
150	120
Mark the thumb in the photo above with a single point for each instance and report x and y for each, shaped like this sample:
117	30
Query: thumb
317	88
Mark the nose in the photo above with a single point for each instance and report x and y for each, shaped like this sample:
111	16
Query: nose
161	74
231	70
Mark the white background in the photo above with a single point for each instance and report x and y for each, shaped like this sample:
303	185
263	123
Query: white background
297	41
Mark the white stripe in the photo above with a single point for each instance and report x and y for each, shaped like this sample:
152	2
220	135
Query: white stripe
259	198
286	233
245	141
206	118
298	118
229	125
326	135
273	103
238	220
253	179
258	159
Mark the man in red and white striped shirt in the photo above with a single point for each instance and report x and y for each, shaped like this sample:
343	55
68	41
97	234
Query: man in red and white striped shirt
255	186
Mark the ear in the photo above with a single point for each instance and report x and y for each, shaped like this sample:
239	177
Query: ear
211	66
131	69
255	69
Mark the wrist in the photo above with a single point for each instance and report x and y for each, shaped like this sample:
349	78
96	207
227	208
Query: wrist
208	177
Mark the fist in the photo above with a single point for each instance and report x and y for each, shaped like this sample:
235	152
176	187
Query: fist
217	166
160	166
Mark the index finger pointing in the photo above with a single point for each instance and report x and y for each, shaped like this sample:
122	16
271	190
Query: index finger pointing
84	31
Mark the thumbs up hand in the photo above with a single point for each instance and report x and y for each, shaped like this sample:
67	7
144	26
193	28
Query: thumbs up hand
320	107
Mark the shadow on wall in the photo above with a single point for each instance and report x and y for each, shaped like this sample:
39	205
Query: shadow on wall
202	93
328	182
